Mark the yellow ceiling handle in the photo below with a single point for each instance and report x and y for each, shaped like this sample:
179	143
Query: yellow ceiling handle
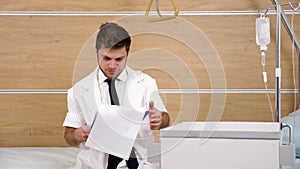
161	18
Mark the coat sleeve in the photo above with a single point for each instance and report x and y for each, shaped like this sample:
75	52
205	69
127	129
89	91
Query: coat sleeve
74	117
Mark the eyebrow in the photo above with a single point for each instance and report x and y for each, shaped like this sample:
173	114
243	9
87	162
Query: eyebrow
117	58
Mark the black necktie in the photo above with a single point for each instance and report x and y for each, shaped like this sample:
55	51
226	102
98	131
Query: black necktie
113	161
112	92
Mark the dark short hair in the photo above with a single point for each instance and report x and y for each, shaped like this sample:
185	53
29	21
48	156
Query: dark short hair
111	35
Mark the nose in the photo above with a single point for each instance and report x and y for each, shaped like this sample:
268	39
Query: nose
112	64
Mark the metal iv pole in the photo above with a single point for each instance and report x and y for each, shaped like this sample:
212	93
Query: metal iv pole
280	16
278	68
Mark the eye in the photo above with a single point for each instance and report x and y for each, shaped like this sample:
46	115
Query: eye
106	58
119	59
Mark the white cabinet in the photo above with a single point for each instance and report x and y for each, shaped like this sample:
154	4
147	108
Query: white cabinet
220	145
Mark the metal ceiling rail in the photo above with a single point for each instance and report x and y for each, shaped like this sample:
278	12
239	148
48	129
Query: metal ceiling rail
33	91
179	91
117	13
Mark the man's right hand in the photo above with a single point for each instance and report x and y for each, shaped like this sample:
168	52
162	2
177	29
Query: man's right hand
75	136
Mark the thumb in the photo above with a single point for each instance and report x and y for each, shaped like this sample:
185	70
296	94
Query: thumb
151	105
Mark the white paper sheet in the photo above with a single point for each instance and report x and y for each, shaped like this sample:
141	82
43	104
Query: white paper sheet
115	130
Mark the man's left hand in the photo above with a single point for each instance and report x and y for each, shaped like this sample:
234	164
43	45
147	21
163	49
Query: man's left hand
155	117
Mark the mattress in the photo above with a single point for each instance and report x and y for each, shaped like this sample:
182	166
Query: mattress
37	157
50	158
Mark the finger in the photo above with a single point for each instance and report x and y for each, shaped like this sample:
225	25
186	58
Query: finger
155	115
154	118
81	135
85	137
86	129
151	105
154	126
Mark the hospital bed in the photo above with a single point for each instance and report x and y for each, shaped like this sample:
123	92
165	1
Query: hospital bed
50	158
65	157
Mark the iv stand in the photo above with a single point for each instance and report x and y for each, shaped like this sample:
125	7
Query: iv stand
280	16
287	151
278	69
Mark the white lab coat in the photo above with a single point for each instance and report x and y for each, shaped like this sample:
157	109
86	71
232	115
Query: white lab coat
83	100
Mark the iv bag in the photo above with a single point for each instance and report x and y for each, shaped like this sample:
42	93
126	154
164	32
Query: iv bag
263	32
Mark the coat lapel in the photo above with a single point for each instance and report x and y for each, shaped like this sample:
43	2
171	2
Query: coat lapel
86	98
134	91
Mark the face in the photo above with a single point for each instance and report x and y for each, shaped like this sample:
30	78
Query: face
112	61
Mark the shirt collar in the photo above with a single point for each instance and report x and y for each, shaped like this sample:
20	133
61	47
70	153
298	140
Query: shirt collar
122	76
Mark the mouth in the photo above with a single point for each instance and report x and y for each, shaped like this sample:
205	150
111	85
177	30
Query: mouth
111	72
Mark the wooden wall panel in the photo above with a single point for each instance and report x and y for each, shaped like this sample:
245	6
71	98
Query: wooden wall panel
240	55
236	47
37	55
131	5
32	120
238	107
40	52
36	120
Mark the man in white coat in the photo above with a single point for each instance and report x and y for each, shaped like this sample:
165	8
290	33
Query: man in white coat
133	88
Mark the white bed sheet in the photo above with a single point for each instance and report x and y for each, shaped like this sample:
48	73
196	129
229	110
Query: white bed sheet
37	157
50	158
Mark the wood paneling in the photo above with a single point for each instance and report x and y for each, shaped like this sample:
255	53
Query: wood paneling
36	120
37	55
32	120
40	52
238	107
